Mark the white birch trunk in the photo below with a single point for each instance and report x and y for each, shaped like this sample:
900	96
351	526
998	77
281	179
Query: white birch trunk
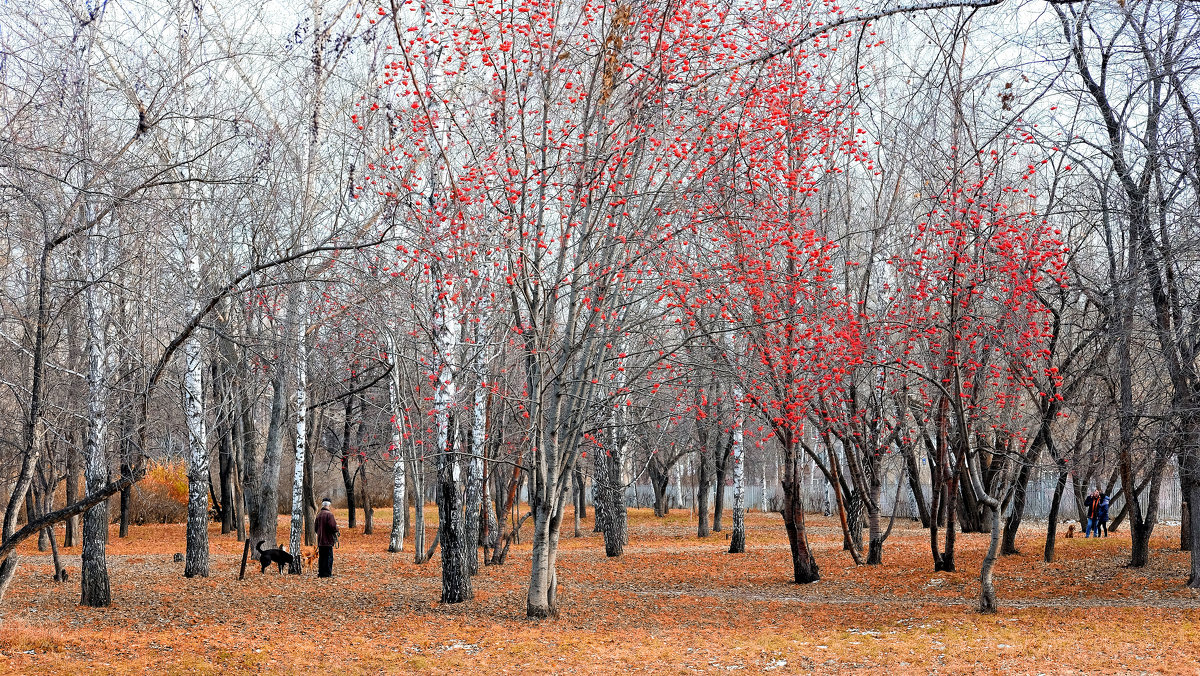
474	491
307	220
456	578
196	560
737	540
95	591
399	500
296	533
764	489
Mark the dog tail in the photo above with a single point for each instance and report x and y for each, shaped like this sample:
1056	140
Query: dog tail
259	546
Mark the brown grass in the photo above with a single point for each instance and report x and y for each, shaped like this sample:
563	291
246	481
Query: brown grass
672	604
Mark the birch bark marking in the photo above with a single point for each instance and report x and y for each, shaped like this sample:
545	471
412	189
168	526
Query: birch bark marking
297	523
196	560
94	585
399	500
474	489
737	540
456	582
307	219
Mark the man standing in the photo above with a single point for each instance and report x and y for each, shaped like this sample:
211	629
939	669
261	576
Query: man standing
327	537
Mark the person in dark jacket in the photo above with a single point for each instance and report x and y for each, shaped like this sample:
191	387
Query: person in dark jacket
1091	506
327	537
1103	513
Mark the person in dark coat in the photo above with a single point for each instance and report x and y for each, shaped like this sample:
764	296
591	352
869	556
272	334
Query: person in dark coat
1103	518
327	537
1091	506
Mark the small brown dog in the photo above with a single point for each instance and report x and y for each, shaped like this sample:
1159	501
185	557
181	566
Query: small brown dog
1070	531
310	557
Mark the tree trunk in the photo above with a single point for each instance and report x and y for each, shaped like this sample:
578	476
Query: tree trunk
418	499
348	477
1052	524
737	539
914	483
804	567
987	591
542	598
616	525
296	532
474	497
577	498
264	519
703	483
1013	523
72	535
367	507
93	577
719	494
1190	466
456	578
874	529
660	479
399	480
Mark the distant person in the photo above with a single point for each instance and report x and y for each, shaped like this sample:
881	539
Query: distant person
1091	508
327	537
1104	502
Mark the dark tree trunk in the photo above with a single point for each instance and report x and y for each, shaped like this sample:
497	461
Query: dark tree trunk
226	469
368	510
703	482
1140	548
1192	526
309	493
804	566
577	499
719	495
1012	524
418	498
1052	523
348	477
126	495
1185	513
914	483
456	578
264	519
71	538
660	479
93	574
616	524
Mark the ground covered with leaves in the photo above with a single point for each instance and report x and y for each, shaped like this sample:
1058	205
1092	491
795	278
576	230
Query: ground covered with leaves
672	604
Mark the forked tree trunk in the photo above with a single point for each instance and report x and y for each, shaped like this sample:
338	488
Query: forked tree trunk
804	566
542	598
264	518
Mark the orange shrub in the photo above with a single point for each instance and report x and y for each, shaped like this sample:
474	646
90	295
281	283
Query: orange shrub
161	496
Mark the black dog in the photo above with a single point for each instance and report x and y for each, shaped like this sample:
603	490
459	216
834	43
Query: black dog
268	556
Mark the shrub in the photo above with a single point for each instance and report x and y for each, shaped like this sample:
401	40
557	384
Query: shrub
161	496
